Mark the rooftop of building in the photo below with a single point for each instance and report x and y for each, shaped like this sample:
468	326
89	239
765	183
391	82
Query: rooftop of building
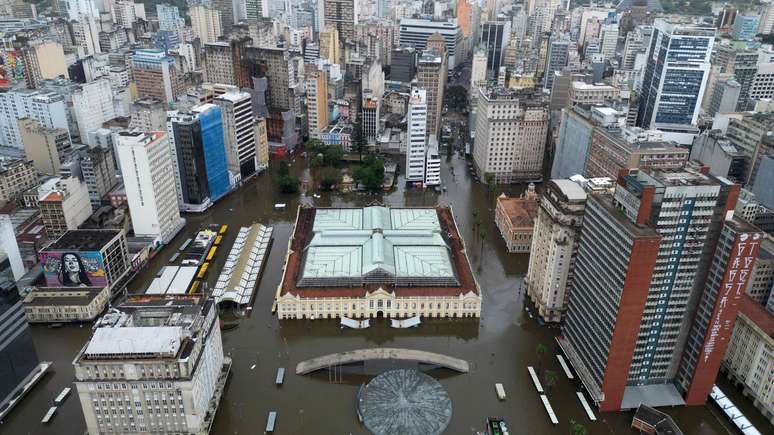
346	252
82	240
757	314
661	422
572	190
522	212
61	296
145	327
639	231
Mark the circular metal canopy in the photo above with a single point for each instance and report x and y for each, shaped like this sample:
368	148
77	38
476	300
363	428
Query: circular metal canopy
406	402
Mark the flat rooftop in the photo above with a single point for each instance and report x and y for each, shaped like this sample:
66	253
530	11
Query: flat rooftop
82	240
346	252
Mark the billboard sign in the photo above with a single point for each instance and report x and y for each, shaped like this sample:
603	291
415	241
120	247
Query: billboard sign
73	269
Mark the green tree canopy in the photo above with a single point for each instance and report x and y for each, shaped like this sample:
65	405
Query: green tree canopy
370	174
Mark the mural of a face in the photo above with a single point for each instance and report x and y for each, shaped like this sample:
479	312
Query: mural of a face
70	263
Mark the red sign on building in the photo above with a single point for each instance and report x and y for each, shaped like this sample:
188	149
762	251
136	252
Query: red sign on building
738	269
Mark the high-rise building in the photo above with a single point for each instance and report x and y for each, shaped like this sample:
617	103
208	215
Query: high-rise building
223	62
341	14
256	9
75	8
169	17
65	207
415	33
432	162
227	14
494	36
201	156
46	147
43	60
48	108
206	23
404	64
511	134
676	76
762	86
92	106
743	64
729	274
431	76
609	40
237	112
149	182
99	172
155	75
16	176
554	247
478	70
19	362
416	136
572	146
168	381
316	100
745	27
685	209
330	47
725	96
556	59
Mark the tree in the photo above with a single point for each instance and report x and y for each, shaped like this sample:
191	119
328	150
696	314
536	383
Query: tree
551	378
491	182
333	154
328	177
357	139
540	350
577	428
457	97
286	182
370	174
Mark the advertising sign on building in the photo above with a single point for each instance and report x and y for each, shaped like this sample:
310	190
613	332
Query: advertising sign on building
73	269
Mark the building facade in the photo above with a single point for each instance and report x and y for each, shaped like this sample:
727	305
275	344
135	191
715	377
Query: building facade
416	136
239	133
149	183
46	147
554	248
511	135
165	380
676	74
515	218
389	274
65	207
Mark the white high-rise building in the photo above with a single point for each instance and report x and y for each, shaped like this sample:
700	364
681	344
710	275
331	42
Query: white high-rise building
149	181
239	134
609	40
48	108
153	365
478	70
416	136
76	8
86	35
92	106
169	17
205	22
432	162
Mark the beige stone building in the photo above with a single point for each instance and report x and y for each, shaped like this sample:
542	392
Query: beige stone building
205	23
16	176
584	93
46	147
46	60
65	304
431	76
515	218
749	360
316	100
554	245
511	132
65	207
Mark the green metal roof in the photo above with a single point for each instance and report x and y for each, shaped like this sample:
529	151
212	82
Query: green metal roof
402	243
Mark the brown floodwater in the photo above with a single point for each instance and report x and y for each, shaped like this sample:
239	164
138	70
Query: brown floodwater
499	347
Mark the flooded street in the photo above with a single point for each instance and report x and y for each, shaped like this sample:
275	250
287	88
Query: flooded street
499	346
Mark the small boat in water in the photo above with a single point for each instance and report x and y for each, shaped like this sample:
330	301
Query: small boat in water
496	426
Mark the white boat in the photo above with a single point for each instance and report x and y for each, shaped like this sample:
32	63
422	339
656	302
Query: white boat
500	391
62	396
49	415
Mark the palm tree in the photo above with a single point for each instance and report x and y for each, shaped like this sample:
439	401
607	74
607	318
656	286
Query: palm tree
551	378
540	350
577	428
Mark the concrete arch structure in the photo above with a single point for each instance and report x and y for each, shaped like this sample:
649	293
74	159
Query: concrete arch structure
383	353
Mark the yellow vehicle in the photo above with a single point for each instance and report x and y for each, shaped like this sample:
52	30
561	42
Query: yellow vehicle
203	270
217	240
223	229
194	286
211	254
